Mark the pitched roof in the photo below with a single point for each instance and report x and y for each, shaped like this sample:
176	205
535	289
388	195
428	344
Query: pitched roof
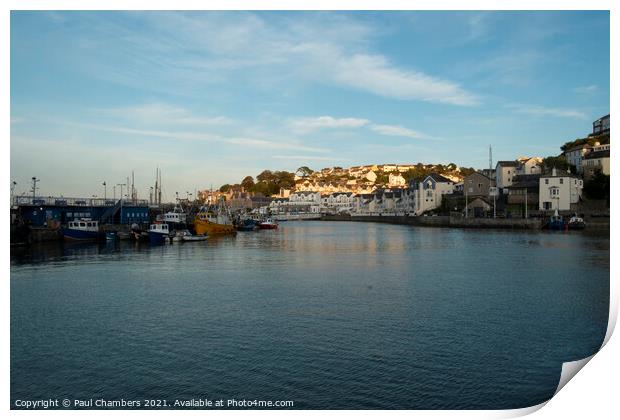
525	181
439	178
558	173
507	163
478	173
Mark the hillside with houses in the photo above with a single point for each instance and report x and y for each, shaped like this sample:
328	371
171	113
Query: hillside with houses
575	180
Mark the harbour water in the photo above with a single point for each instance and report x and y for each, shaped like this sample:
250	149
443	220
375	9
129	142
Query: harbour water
330	315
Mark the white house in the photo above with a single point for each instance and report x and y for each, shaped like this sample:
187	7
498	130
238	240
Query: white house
558	190
529	166
427	195
297	202
371	176
339	202
396	180
505	170
360	203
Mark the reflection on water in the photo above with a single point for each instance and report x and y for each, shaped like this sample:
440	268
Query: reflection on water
328	314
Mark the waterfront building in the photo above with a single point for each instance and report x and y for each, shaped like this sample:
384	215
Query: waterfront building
298	202
48	211
479	207
427	195
361	203
476	184
558	190
505	170
278	205
601	126
338	202
596	160
525	188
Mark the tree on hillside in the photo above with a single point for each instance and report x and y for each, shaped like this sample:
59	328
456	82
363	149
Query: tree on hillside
558	162
225	188
597	187
467	171
248	183
304	171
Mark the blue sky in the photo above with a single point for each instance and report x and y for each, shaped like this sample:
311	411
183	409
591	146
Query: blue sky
210	97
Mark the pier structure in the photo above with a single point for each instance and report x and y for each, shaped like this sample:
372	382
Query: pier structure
44	211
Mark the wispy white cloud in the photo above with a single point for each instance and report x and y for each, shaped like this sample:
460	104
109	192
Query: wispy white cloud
398	131
375	74
319	48
307	125
201	136
586	89
310	158
541	111
162	113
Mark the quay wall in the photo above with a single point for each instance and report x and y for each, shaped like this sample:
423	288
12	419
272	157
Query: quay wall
442	221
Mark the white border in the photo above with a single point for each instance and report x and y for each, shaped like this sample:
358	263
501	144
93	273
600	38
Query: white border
592	395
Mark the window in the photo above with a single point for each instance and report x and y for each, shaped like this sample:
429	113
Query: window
82	224
561	180
547	181
554	192
547	205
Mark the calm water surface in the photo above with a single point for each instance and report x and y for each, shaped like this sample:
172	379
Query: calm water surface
327	314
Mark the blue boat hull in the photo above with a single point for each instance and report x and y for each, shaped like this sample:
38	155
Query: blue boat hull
555	225
80	235
157	238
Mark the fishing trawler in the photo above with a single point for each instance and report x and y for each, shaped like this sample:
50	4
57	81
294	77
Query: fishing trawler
214	220
177	218
82	230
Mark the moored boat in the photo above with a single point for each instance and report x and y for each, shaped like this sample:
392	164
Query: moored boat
576	223
213	221
82	230
555	222
247	225
158	233
268	223
193	238
177	218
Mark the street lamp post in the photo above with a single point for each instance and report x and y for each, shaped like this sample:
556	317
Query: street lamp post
121	185
105	191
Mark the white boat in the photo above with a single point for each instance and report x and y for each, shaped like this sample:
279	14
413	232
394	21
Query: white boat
187	236
576	222
158	233
194	238
175	217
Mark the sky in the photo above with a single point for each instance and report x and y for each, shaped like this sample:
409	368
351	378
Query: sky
210	97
